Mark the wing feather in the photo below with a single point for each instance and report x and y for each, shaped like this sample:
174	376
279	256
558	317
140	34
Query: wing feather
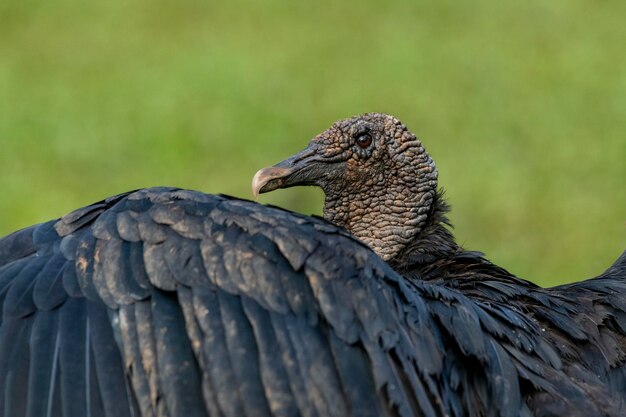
72	359
44	356
48	291
274	377
178	369
215	352
167	302
243	354
108	362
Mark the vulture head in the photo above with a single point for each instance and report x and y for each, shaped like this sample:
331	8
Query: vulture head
379	181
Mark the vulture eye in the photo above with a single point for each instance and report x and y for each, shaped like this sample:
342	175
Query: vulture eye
364	140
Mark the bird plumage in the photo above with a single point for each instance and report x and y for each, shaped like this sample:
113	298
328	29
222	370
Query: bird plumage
584	320
172	302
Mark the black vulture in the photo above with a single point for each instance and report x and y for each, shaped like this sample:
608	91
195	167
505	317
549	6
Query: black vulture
380	184
168	302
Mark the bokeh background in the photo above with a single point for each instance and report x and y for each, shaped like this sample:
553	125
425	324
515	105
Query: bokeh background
521	104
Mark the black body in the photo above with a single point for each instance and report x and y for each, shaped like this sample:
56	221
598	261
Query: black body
167	302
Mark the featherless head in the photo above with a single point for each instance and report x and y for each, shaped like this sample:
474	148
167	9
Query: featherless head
378	179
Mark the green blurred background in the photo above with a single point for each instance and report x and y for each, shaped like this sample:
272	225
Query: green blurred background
522	105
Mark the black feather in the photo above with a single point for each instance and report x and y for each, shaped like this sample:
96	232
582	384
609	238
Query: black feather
48	292
14	366
170	302
19	298
108	362
44	363
194	332
296	374
147	348
215	351
353	368
133	364
127	226
156	268
272	371
17	245
243	354
73	362
177	365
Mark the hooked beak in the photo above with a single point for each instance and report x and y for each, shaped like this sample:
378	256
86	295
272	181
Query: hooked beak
303	168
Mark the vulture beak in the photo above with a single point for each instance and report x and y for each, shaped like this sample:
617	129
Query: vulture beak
303	168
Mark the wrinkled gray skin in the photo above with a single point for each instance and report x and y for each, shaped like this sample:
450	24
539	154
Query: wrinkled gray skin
378	179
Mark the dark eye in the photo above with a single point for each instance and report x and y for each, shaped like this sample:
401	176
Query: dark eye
364	140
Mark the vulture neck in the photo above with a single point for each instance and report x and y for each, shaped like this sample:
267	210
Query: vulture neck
434	241
405	234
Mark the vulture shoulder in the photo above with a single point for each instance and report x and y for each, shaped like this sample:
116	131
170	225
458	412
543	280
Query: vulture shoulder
584	321
167	302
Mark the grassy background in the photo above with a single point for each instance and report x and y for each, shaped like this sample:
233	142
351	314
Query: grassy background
522	105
